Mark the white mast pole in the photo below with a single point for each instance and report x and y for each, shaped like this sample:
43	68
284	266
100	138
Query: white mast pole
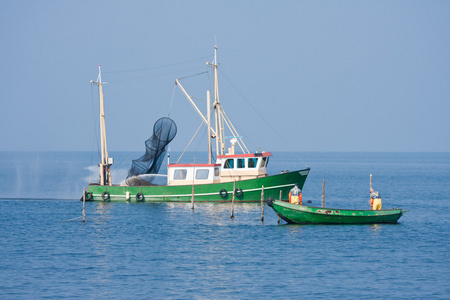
208	108
102	128
216	104
219	112
219	125
104	165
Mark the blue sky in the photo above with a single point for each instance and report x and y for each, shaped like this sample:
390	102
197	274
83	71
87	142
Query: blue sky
294	75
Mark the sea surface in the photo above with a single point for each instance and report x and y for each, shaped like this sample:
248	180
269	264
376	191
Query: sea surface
169	251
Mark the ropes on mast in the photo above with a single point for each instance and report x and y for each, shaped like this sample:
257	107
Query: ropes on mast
171	101
195	134
262	117
234	132
155	75
159	67
204	72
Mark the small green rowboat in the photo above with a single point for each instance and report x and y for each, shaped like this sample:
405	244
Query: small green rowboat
300	214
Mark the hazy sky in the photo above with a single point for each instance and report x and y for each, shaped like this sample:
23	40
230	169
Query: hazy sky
294	75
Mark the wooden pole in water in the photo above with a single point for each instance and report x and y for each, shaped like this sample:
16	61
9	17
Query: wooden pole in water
262	204
193	197
323	194
232	201
277	214
84	204
193	189
370	192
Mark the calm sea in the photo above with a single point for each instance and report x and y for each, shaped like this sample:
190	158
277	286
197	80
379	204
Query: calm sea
147	251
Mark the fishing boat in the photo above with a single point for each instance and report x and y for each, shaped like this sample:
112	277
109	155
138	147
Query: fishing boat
301	214
236	174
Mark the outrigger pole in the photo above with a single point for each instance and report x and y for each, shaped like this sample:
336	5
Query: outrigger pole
105	165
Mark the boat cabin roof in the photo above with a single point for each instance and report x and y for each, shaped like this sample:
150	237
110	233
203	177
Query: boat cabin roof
192	165
261	154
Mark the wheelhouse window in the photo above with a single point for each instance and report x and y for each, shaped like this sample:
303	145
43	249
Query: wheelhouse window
216	172
264	162
229	164
252	162
202	174
241	163
180	174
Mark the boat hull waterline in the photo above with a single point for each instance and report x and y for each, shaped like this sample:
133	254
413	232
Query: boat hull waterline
300	214
246	190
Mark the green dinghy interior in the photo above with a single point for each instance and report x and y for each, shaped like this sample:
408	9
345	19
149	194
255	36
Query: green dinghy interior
301	214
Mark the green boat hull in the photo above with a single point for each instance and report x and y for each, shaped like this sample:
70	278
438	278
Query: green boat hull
300	214
251	190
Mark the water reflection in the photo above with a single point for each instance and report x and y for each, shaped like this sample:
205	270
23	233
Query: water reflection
101	243
104	209
219	214
295	230
375	228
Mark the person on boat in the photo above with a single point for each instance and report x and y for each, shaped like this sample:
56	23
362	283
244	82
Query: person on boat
295	195
375	200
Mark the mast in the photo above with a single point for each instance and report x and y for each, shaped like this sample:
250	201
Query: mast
208	109
220	143
105	170
221	118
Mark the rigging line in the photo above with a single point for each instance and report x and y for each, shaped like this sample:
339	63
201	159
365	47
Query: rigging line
151	76
117	165
233	130
95	137
171	101
234	133
190	141
198	99
162	105
227	118
212	156
159	67
201	139
192	75
242	95
93	119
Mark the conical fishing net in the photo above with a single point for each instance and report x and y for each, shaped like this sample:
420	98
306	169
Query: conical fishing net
164	131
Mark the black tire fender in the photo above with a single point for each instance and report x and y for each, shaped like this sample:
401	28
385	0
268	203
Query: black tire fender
105	196
238	192
88	196
223	193
140	197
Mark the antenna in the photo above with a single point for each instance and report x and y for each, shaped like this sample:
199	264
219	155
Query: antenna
99	78
215	50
